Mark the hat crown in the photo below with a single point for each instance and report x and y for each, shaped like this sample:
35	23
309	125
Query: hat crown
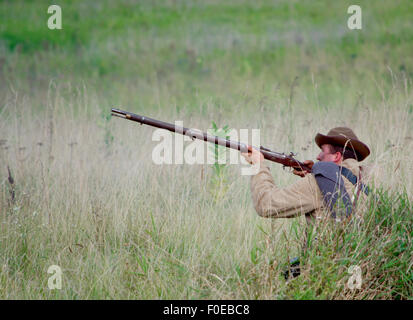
343	131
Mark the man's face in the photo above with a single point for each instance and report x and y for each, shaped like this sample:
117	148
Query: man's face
327	155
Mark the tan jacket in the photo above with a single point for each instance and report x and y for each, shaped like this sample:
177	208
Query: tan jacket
302	197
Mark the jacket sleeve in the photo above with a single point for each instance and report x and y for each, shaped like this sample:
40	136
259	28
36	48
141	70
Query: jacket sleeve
302	197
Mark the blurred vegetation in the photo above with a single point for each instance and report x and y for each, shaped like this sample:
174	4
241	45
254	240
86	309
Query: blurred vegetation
158	54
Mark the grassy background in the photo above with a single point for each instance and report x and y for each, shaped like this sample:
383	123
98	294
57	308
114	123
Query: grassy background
87	197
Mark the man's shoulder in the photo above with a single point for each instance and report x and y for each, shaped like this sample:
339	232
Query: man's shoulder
353	165
367	172
349	163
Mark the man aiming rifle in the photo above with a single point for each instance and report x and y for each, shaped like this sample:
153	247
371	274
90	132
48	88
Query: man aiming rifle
328	189
335	179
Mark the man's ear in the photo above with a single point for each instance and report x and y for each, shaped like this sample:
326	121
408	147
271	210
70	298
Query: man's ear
338	157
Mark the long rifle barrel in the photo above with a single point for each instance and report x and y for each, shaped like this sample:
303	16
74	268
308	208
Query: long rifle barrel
286	160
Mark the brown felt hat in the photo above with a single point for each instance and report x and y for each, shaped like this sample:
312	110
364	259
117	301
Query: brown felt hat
344	137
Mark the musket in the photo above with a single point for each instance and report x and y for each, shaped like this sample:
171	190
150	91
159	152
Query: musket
282	158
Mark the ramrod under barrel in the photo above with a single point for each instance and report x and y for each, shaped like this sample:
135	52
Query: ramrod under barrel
286	160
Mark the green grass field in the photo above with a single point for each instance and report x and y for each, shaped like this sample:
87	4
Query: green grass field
79	189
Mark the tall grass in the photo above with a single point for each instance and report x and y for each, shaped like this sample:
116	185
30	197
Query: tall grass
120	226
79	189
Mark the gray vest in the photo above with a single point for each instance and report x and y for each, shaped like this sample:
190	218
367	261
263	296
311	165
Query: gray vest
330	181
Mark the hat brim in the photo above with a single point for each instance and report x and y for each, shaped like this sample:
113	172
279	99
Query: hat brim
353	144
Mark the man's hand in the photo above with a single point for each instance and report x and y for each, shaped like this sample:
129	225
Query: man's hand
253	156
300	173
